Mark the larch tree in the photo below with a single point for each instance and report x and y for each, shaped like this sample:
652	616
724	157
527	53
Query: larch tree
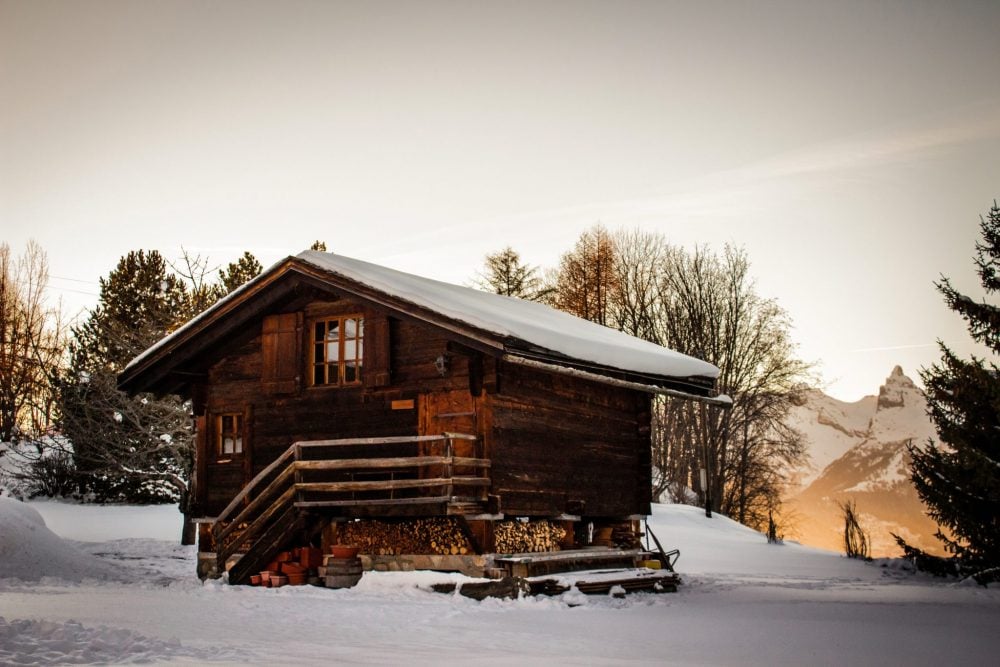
585	280
958	478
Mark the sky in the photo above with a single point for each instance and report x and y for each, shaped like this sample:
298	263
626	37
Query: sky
850	148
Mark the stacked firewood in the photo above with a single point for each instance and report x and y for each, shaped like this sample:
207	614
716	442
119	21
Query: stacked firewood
232	537
527	537
435	535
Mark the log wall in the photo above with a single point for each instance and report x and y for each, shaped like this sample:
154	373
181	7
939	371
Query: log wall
558	442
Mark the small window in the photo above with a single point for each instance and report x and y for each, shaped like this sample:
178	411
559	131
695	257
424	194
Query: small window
229	436
337	350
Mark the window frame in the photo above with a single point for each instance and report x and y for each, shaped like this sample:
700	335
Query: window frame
342	362
238	432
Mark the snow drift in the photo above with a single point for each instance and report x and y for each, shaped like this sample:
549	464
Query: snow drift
29	551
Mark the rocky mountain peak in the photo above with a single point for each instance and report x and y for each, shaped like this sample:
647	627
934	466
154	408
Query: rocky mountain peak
897	386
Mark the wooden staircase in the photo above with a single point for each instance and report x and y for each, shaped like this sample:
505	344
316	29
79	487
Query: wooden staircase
317	478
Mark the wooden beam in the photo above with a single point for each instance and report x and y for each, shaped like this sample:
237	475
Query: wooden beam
721	401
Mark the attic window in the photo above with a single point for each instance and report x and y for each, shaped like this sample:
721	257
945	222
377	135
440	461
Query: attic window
229	435
337	350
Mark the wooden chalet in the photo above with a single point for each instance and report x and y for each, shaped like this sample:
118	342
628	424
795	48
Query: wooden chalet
340	401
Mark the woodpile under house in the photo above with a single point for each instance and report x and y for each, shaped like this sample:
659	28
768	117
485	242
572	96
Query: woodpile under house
427	424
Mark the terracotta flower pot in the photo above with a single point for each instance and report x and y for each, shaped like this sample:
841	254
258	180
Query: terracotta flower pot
310	557
344	551
278	580
291	567
255	580
265	577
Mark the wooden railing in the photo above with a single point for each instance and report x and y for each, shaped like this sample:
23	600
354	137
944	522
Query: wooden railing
310	475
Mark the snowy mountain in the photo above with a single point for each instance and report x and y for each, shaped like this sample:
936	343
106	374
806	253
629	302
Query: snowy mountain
858	452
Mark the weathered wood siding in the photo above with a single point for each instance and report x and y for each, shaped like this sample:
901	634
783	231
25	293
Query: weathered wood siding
237	384
558	440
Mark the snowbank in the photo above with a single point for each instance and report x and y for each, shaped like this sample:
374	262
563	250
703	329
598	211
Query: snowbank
29	551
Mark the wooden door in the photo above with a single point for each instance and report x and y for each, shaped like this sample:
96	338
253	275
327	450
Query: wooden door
450	412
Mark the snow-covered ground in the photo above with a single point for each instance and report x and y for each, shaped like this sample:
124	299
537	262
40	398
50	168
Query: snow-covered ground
133	597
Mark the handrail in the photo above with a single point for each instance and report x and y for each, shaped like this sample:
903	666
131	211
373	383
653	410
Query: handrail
288	453
388	440
283	488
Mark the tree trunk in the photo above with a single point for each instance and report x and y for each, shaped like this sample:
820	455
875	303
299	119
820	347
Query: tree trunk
189	533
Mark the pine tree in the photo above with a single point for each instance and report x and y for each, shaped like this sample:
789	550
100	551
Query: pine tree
506	274
243	270
959	481
127	448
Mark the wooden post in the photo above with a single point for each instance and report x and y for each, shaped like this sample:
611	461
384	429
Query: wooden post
706	481
449	451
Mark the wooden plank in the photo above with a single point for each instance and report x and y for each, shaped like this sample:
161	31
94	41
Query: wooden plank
470	481
392	462
471	462
381	485
372	464
390	440
380	502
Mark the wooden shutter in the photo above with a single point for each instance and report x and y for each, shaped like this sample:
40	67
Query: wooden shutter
376	354
282	350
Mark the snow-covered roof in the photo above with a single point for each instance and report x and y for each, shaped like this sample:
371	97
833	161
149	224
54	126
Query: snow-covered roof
525	328
534	323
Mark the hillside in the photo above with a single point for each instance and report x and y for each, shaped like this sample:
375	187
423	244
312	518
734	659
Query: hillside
858	452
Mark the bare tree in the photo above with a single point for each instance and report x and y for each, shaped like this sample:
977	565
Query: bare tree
200	291
711	310
856	542
633	302
32	342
